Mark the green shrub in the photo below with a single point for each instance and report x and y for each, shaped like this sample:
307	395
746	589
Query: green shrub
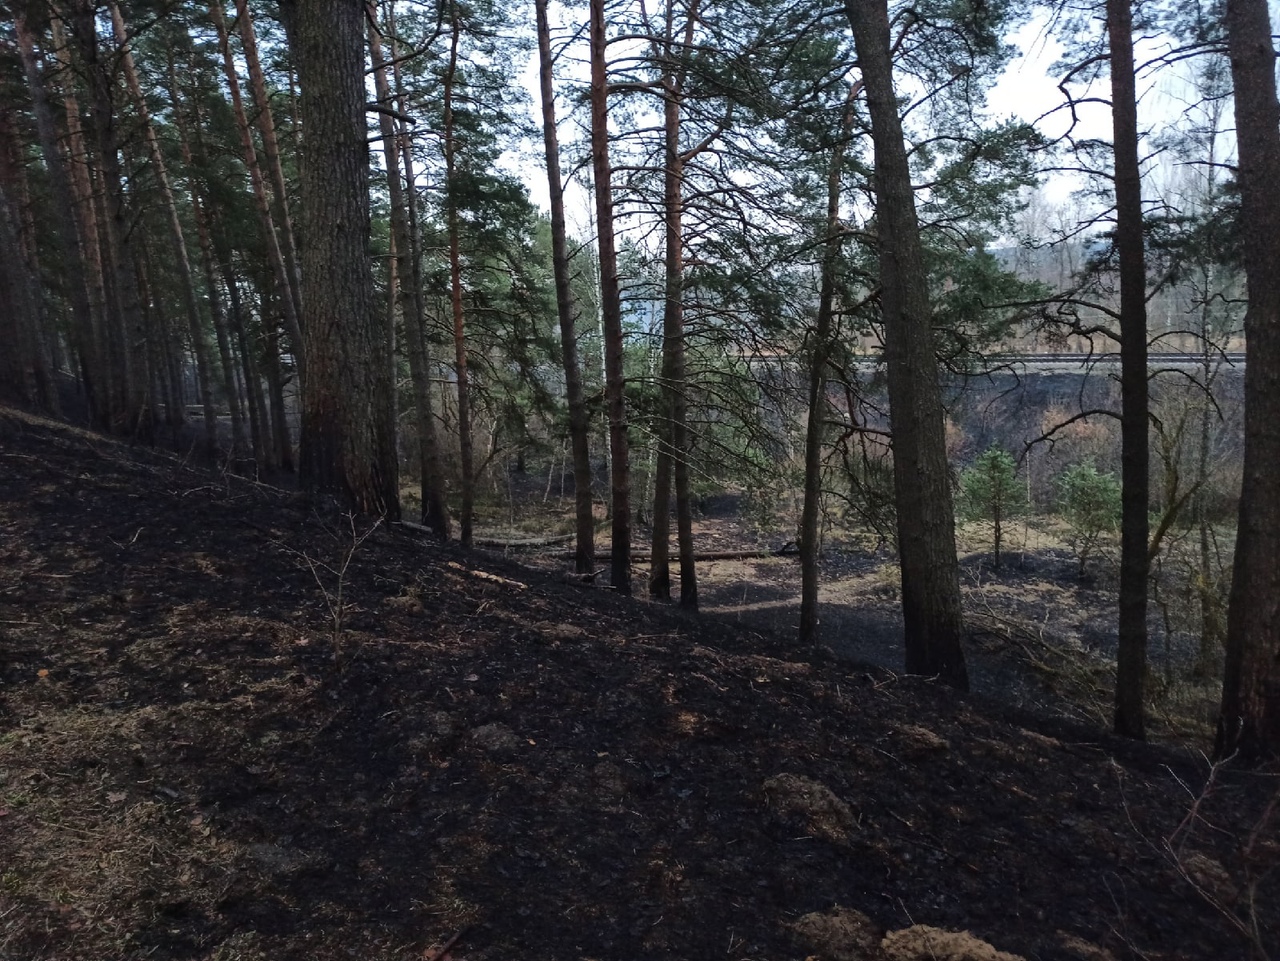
990	491
1089	501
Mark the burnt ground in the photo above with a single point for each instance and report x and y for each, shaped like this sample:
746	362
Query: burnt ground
234	725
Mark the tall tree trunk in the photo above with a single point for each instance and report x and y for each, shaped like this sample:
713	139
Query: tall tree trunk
1250	720
89	217
270	150
579	428
73	245
155	340
282	437
25	374
435	506
435	515
221	333
28	361
811	512
128	333
89	214
1212	608
673	454
348	431
465	440
611	309
279	269
207	262
922	480
1131	659
263	449
182	261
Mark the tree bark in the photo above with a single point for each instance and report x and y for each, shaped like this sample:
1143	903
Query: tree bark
922	482
270	150
74	245
466	515
611	309
434	512
435	506
1131	659
282	437
579	428
279	269
26	377
1249	724
810	514
348	431
191	299
673	449
164	361
127	336
217	314
88	220
263	449
28	363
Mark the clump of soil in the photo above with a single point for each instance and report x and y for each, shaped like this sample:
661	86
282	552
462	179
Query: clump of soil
235	724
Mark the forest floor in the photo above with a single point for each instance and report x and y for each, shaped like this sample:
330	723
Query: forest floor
1042	629
236	726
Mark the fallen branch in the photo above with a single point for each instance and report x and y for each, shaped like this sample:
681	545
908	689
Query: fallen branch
442	953
486	576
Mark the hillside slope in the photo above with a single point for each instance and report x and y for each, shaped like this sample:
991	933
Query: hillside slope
213	744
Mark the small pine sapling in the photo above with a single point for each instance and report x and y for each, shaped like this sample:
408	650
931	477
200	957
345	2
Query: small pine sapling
990	491
1089	501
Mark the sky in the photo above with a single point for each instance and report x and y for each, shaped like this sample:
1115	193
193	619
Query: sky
1026	90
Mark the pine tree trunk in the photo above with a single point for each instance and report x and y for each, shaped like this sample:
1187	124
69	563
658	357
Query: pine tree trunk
922	481
435	512
26	366
348	431
25	377
263	450
611	310
88	215
127	332
672	463
1250	720
163	385
207	263
466	442
68	232
579	428
279	269
660	541
811	512
153	347
230	387
673	454
673	332
270	150
180	258
435	508
282	437
1131	660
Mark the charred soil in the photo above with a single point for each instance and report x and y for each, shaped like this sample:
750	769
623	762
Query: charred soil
235	724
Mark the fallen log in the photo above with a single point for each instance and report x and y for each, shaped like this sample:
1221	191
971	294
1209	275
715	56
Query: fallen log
500	542
787	550
523	541
644	556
